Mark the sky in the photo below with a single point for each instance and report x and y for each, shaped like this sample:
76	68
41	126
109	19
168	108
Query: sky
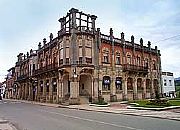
24	23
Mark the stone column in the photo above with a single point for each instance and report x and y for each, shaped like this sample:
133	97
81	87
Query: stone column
30	92
44	90
50	90
100	86
74	91
135	93
144	88
113	89
95	86
64	50
83	50
58	89
152	89
124	84
92	87
25	91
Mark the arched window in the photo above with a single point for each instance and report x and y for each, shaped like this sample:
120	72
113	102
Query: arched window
154	65
106	55
118	83
130	84
54	85
146	64
47	85
46	60
148	84
138	61
41	86
139	84
118	58
128	59
106	83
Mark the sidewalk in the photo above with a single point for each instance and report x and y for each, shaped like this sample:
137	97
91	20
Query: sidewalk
6	125
116	108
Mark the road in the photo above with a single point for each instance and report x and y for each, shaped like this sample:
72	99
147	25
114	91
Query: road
36	117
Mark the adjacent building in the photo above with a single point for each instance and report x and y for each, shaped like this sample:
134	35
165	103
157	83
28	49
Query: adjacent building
168	86
10	83
81	64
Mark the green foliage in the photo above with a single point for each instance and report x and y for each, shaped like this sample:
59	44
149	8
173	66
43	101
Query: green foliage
157	96
177	88
100	101
159	102
175	102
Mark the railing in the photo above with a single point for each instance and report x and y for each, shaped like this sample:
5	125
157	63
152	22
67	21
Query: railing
46	68
21	77
105	37
128	67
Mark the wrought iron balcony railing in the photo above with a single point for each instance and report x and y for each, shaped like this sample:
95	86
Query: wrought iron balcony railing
46	68
22	77
134	68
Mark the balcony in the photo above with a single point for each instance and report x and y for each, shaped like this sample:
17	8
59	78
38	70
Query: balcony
135	68
22	77
46	68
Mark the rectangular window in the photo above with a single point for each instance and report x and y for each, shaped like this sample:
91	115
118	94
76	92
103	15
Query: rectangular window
106	60
61	61
138	61
128	59
67	61
89	60
154	66
165	84
118	61
33	67
80	60
170	83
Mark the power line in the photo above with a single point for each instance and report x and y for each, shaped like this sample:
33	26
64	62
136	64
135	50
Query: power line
168	38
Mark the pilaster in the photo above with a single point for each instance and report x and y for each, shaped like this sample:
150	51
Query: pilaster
124	84
135	93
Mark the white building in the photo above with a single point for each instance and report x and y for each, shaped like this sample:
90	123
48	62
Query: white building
168	87
2	90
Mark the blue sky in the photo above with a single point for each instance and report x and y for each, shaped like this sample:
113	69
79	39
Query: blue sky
24	23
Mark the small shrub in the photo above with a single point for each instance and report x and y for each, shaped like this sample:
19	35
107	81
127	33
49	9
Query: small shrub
100	101
159	102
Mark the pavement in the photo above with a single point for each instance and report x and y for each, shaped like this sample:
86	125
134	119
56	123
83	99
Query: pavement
117	108
6	125
32	116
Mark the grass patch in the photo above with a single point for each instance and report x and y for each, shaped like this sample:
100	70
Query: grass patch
156	104
174	102
174	99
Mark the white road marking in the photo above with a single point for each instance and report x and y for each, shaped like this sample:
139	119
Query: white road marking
90	120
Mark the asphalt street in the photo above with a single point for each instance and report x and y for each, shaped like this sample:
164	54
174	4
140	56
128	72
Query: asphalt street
35	117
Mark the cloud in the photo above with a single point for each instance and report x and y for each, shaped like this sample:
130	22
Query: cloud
25	23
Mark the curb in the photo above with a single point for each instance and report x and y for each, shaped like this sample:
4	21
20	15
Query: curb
3	121
154	109
96	105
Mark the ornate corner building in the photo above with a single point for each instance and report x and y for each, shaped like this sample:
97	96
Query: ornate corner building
81	63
